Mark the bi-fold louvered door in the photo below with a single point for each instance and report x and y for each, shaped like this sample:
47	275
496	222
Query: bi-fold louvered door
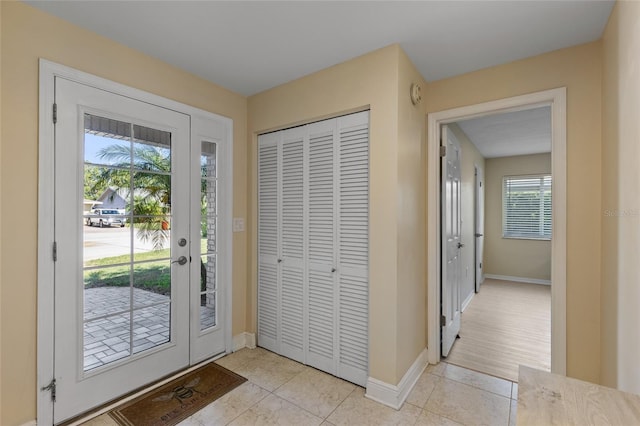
313	197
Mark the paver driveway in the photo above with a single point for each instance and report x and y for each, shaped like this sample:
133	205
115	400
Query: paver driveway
107	330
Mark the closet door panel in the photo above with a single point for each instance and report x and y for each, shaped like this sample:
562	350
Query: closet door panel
268	235
293	244
321	321
353	248
322	293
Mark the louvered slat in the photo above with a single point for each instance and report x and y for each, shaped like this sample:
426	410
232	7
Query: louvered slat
354	197
268	242
268	306
353	249
321	317
292	199
291	317
268	200
321	198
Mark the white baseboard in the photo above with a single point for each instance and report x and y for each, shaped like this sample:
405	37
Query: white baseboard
244	340
31	423
394	395
518	279
467	300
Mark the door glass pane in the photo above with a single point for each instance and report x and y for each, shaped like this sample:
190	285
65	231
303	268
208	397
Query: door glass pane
151	283
126	229
151	327
208	228
106	340
208	290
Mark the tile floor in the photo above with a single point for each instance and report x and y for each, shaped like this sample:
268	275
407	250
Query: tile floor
283	392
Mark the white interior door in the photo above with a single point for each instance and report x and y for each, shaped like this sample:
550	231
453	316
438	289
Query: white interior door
125	270
479	226
451	242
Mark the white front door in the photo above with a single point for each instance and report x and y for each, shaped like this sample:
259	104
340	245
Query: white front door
135	226
451	242
479	226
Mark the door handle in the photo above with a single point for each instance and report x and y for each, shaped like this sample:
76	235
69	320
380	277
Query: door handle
479	235
182	260
460	245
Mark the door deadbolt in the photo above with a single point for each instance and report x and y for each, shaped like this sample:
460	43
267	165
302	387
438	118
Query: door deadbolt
182	242
181	260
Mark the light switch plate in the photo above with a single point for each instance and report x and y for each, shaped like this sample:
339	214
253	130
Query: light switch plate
238	224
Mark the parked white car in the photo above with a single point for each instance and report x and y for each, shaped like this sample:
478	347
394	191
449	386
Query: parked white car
106	217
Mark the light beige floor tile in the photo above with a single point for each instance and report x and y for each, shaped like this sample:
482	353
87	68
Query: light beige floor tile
102	420
422	390
514	391
315	391
326	423
468	405
241	357
223	410
358	410
436	369
513	413
478	380
270	371
427	418
274	410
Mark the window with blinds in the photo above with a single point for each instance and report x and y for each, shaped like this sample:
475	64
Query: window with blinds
526	207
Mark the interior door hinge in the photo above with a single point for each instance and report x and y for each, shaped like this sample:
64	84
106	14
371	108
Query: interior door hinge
51	387
55	251
443	320
55	113
443	151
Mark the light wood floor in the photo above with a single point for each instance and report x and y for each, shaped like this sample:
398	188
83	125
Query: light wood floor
505	325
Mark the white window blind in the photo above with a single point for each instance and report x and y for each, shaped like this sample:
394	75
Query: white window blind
526	207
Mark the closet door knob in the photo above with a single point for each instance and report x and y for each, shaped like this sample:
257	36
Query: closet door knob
333	269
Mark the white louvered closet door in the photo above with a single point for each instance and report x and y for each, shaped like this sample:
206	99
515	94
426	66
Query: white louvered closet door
353	247
313	249
292	242
321	352
268	235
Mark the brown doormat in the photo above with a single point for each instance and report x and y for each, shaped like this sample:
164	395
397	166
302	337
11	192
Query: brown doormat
178	399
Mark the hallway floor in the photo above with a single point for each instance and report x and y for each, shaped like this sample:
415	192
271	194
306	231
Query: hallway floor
280	391
507	324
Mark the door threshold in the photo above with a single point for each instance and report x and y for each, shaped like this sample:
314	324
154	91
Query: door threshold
110	405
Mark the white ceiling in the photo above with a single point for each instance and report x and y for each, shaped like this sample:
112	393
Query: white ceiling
251	46
511	133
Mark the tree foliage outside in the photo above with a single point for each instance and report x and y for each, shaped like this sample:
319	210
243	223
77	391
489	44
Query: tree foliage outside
147	189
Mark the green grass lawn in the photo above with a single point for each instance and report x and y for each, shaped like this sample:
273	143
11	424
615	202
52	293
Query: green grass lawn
151	276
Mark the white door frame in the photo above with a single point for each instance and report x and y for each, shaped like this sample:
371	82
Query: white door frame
46	173
478	209
556	98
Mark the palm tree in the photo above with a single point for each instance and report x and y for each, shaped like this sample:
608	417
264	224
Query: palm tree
145	181
147	187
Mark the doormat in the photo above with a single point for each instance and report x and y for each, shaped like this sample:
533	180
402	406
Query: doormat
178	399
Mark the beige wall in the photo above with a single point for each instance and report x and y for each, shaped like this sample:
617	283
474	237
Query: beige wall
26	35
508	256
412	220
620	215
579	69
471	158
377	81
